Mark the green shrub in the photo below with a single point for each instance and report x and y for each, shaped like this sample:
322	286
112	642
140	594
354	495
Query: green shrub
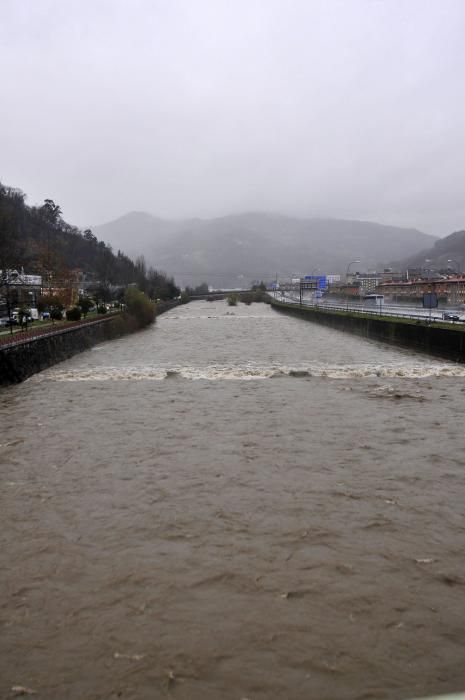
248	298
85	304
256	295
74	314
56	314
102	309
232	299
139	306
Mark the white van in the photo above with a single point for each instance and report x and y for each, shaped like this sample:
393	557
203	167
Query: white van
374	300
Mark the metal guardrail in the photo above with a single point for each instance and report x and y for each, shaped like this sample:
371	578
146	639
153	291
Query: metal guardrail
375	311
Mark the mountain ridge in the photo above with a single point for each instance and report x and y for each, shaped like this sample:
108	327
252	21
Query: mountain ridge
239	248
451	248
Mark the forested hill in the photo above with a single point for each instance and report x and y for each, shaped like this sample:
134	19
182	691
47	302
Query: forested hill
447	253
237	250
37	239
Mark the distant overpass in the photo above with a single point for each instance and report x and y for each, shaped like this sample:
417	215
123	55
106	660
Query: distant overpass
223	294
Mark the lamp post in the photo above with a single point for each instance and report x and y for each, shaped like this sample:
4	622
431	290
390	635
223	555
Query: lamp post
9	278
456	296
315	298
352	262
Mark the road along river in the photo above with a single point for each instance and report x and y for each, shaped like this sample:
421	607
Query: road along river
234	504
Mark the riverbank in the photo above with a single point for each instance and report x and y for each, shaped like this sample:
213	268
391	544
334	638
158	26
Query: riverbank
25	354
438	339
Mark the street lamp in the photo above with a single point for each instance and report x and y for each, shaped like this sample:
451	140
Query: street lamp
315	298
9	278
352	262
455	296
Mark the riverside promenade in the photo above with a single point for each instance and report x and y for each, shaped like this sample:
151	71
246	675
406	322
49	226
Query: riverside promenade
34	332
26	352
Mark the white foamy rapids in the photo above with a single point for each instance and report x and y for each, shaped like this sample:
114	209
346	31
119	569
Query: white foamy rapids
249	372
226	316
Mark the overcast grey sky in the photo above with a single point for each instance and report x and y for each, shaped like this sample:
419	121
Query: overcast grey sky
343	108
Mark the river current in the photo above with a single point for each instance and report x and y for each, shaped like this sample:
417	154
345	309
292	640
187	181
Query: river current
234	504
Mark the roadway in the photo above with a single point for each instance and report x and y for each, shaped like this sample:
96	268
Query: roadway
409	311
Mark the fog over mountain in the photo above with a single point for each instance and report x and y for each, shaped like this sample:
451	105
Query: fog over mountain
351	109
446	253
236	250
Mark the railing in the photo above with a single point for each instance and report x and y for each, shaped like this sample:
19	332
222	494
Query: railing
384	310
23	337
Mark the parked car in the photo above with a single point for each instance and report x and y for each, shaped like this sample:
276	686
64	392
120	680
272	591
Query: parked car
451	317
7	322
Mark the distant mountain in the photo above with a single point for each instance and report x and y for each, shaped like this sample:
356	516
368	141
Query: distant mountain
236	250
136	230
451	248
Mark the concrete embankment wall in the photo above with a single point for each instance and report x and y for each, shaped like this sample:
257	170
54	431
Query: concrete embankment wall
20	360
442	340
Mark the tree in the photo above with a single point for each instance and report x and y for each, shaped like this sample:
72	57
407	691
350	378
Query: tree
141	273
199	290
53	304
85	304
23	315
50	260
160	286
259	287
89	236
7	290
12	215
139	305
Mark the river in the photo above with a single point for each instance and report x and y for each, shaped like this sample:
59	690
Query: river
234	504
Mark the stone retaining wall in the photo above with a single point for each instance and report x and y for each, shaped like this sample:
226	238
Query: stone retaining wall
20	360
438	339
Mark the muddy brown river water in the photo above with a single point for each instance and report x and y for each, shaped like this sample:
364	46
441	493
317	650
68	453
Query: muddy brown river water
234	504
